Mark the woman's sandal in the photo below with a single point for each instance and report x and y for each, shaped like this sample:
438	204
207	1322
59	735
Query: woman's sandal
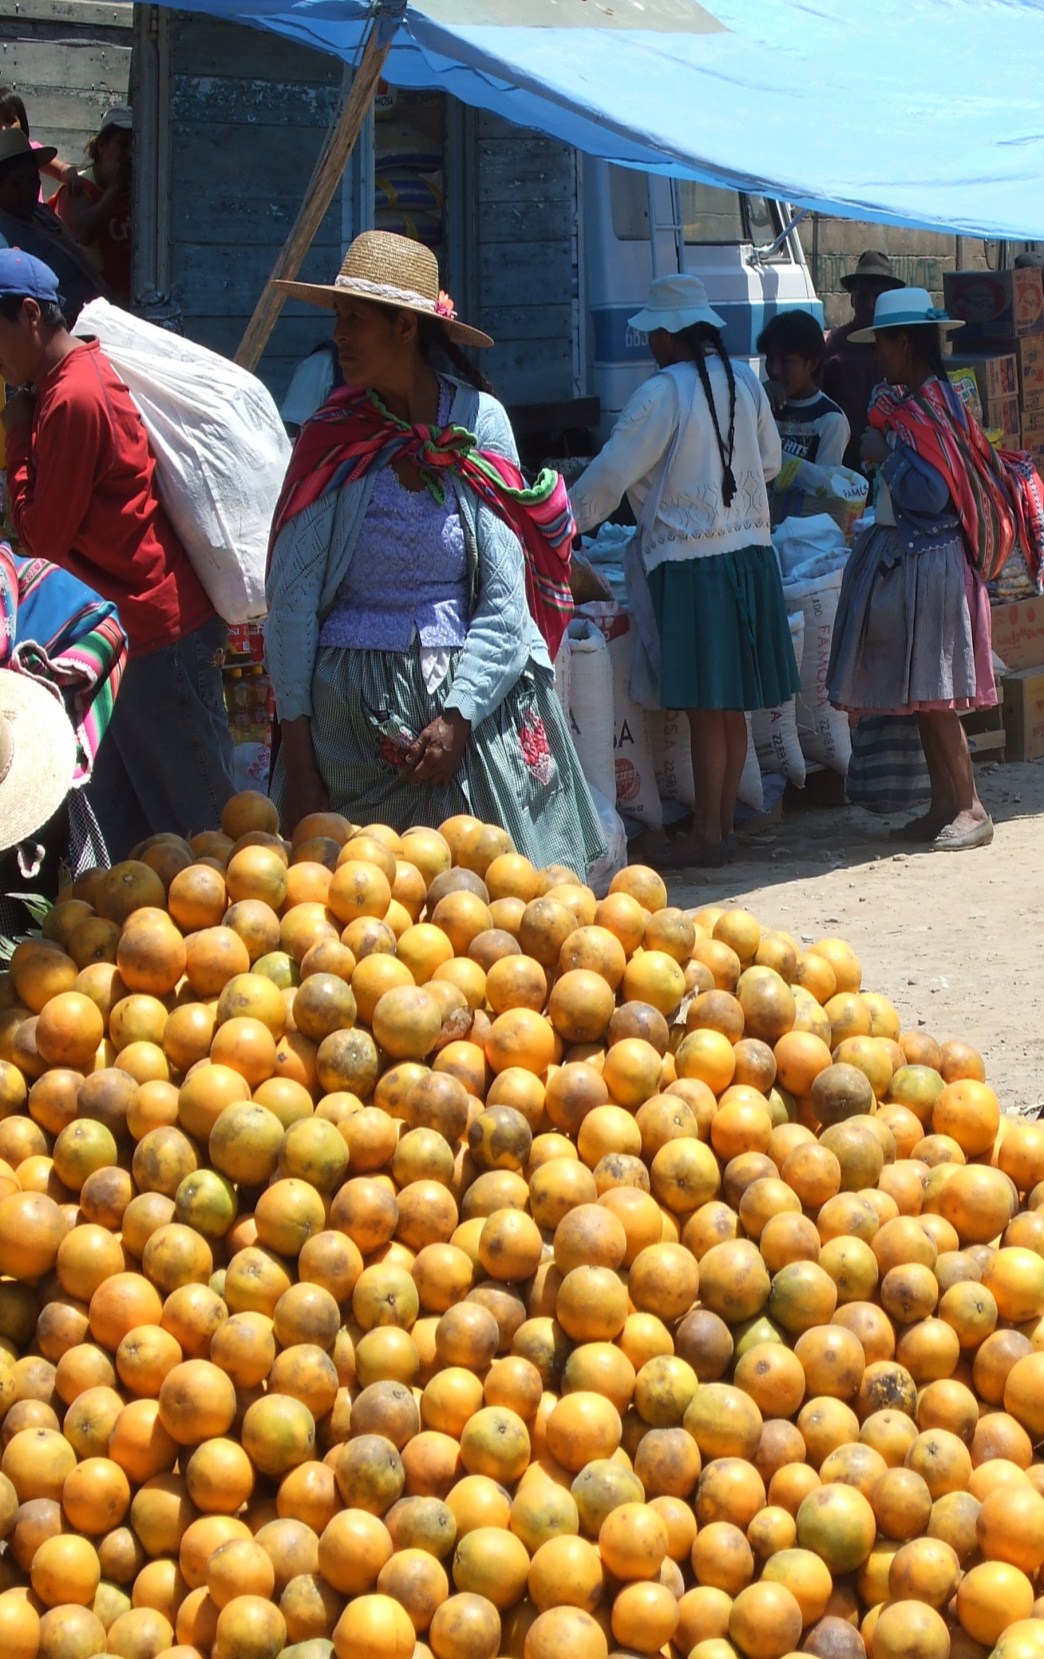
952	840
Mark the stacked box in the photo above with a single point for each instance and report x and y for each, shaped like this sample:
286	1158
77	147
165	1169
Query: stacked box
996	375
995	305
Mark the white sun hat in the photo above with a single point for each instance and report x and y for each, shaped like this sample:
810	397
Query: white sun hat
674	303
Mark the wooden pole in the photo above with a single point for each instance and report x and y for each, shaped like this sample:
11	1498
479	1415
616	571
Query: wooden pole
329	170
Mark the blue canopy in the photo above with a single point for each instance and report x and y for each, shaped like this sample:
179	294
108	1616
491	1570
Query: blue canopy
910	112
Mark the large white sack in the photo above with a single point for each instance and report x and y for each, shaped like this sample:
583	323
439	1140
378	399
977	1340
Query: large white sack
751	790
589	690
776	741
637	795
823	730
672	755
221	450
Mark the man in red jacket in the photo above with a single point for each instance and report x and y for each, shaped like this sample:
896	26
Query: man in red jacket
82	488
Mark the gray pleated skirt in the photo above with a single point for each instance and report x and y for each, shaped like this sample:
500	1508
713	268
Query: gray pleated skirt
912	631
520	768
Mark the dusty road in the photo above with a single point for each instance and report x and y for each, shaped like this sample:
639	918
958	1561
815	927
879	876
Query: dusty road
956	940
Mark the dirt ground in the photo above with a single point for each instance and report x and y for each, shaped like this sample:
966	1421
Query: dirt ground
953	939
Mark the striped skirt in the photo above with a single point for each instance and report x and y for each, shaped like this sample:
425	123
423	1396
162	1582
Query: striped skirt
520	768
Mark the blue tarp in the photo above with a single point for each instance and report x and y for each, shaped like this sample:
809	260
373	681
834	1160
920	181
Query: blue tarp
908	112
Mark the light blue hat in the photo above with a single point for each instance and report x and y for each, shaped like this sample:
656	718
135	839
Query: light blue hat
904	308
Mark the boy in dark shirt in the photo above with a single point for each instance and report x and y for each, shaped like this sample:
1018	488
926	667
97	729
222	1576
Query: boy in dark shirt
811	425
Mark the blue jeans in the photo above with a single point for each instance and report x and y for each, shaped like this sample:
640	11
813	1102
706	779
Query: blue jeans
165	762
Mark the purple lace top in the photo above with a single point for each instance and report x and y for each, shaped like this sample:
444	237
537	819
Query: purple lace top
408	576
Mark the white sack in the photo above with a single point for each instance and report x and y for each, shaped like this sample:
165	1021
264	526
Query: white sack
589	688
775	733
636	793
672	755
221	450
823	730
751	792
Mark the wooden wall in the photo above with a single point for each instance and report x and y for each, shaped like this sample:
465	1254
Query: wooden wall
526	287
68	59
248	115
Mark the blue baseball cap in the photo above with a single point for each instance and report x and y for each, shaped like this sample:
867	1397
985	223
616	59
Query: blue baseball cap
22	274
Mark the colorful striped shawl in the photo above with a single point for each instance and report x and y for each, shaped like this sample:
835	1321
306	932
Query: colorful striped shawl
998	496
58	631
353	432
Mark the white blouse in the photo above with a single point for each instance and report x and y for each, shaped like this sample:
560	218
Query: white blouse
641	458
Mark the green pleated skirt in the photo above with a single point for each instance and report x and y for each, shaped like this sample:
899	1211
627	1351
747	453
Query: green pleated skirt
724	633
520	768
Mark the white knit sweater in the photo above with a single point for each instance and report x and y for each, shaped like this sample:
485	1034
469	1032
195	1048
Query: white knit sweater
691	521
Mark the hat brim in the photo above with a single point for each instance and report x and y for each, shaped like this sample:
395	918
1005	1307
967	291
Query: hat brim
648	320
40	157
867	336
849	282
326	295
43	762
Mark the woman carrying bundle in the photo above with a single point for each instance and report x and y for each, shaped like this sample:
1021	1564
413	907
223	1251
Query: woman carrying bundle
912	632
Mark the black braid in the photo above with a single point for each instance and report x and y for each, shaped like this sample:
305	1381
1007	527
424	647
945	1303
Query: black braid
436	344
699	338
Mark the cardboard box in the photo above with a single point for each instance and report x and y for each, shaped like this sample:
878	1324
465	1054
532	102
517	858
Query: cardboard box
1024	714
1029	354
995	304
1003	415
1018	633
1033	430
996	374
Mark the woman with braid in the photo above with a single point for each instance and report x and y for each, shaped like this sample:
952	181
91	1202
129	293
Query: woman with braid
692	450
417	586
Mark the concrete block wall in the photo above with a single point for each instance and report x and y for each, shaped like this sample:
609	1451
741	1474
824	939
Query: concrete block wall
833	245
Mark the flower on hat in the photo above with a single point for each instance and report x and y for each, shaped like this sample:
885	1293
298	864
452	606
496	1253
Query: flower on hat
444	306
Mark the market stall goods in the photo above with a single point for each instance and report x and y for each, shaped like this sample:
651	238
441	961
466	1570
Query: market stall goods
402	1251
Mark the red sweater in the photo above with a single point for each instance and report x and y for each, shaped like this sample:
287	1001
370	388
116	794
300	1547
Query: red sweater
83	494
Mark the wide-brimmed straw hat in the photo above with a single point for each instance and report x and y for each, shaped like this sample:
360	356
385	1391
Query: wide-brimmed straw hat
37	756
872	266
390	270
674	303
904	308
13	144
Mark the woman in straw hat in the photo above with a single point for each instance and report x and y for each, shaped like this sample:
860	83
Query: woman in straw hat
912	631
408	561
692	450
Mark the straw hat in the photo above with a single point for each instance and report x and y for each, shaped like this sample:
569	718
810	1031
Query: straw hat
390	270
904	308
37	756
674	303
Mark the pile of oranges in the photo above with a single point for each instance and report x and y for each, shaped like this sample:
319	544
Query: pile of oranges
402	1251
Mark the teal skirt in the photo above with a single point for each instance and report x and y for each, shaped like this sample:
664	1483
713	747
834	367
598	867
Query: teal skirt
520	769
724	634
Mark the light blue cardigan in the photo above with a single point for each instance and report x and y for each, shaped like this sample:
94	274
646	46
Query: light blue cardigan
316	548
